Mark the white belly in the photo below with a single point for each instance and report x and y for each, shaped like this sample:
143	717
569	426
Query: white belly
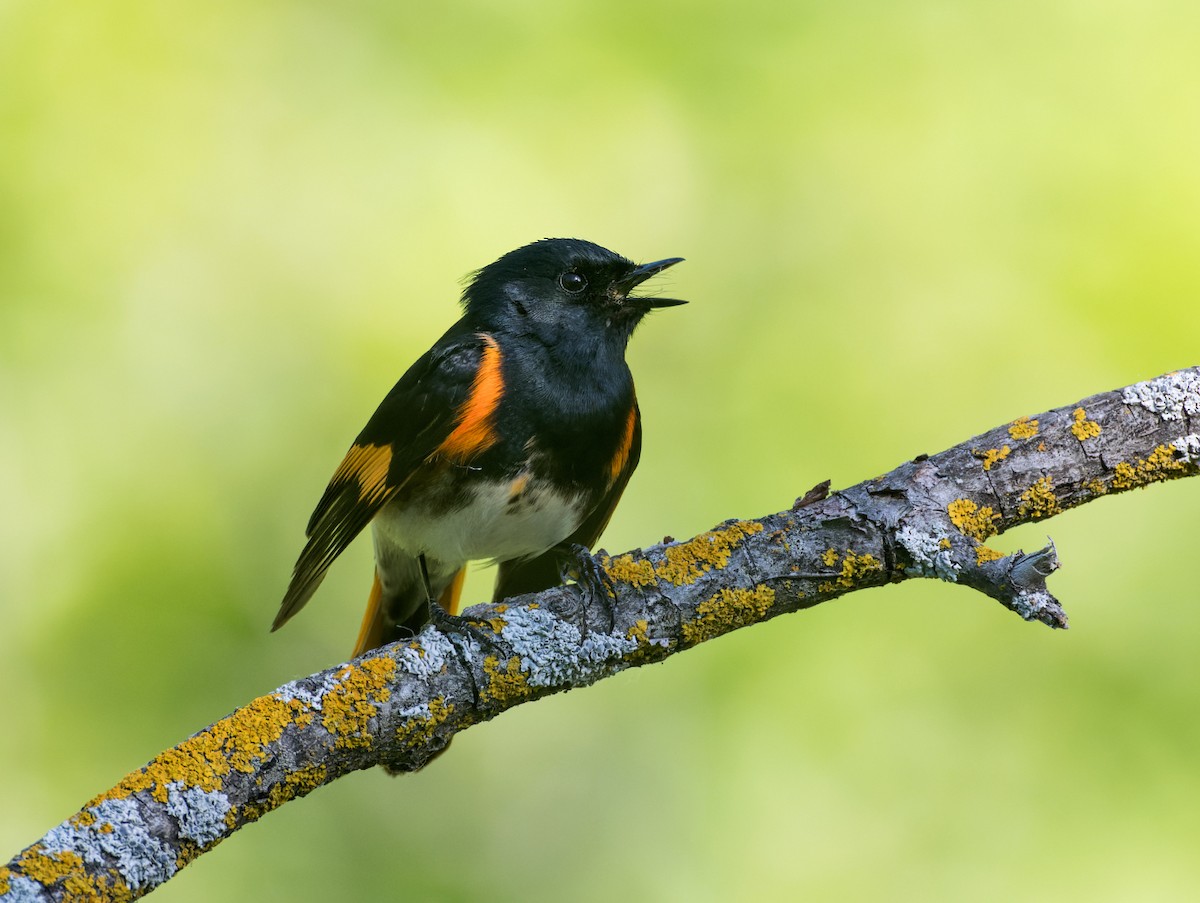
496	524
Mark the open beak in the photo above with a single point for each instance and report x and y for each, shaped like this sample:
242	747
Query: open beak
640	275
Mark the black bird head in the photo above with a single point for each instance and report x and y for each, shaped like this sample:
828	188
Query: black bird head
560	286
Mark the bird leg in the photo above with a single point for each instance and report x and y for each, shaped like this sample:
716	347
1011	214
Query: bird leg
594	582
447	623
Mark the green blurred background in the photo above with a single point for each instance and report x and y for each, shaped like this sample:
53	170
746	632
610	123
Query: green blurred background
227	227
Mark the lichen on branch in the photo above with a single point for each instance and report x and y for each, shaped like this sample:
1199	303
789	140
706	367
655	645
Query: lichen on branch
400	705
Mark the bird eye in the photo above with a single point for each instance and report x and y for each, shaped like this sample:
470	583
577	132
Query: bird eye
572	282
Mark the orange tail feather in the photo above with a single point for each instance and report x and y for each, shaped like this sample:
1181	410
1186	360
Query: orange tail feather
450	595
370	635
374	630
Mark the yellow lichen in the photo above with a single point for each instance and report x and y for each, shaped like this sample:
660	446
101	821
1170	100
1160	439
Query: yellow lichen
1095	487
504	685
984	554
1023	428
417	730
687	562
1084	428
1125	477
1160	464
639	631
298	783
726	611
627	570
188	850
944	543
780	536
854	566
994	456
646	650
203	761
84	818
354	700
1039	500
830	557
978	522
109	888
66	870
48	868
1041	446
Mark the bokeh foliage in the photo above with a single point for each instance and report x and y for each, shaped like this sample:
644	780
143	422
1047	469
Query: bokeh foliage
226	228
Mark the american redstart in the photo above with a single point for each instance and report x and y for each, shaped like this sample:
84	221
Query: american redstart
511	439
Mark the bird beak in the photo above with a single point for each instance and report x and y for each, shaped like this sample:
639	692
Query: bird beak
641	274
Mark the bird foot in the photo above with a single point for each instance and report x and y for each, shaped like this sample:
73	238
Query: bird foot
593	580
479	631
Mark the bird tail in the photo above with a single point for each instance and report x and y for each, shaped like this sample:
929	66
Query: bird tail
377	628
374	623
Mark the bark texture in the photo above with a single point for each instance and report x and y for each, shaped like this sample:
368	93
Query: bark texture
400	705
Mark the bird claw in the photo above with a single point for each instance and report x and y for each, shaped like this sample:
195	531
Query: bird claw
592	579
449	624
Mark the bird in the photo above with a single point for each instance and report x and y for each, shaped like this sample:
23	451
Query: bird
511	440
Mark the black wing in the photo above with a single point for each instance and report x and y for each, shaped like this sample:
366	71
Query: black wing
410	425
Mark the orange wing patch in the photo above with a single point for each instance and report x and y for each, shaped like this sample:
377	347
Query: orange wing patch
368	465
621	458
475	431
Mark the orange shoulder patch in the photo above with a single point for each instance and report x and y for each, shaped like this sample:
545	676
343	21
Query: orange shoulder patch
475	431
621	458
368	465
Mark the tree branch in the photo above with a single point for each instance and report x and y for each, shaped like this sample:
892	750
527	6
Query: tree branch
400	705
